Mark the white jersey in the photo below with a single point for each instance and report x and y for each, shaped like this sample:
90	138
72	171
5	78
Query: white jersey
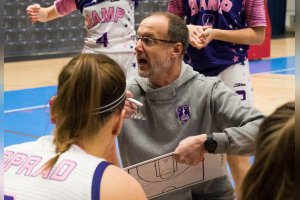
109	23
76	174
110	27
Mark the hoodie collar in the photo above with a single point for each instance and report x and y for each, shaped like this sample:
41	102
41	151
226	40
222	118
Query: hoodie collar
169	91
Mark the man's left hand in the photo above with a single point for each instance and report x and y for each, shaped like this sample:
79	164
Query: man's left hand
191	150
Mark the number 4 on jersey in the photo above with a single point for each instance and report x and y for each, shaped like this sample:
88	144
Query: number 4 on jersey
103	40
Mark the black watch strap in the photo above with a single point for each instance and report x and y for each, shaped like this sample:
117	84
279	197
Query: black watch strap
210	144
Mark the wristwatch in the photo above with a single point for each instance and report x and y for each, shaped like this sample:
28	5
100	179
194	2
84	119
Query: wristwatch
210	144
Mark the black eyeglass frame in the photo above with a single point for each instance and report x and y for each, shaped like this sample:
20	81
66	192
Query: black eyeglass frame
136	38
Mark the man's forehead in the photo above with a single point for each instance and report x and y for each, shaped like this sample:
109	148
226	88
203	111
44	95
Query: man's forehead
154	24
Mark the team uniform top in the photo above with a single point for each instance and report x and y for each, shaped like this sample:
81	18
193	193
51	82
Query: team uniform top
76	174
222	14
109	24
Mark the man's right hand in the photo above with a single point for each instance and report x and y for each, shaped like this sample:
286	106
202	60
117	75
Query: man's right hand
129	107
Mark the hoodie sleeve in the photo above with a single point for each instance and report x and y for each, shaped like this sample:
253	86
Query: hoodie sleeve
238	123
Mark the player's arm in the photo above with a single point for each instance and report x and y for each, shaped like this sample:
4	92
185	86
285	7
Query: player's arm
36	13
252	35
116	184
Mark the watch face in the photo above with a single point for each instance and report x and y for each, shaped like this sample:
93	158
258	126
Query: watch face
210	145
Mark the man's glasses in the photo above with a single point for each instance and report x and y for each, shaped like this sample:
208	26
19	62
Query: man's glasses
149	41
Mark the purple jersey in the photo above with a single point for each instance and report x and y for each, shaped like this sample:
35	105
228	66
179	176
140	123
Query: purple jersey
220	14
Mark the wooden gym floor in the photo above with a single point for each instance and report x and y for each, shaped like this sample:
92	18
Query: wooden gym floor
29	84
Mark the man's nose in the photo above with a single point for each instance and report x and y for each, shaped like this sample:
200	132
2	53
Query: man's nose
139	45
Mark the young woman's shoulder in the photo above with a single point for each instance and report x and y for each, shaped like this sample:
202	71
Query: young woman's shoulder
117	184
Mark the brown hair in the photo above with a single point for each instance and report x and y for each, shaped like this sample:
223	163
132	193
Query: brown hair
177	29
86	84
273	171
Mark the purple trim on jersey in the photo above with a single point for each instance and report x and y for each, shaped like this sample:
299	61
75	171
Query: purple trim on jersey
220	14
81	4
97	179
136	3
6	197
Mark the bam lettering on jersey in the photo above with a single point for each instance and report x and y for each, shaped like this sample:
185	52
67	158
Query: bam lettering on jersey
214	5
104	16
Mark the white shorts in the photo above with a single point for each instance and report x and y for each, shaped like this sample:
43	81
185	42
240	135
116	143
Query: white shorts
126	60
238	78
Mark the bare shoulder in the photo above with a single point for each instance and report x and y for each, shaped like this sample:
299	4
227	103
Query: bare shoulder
117	184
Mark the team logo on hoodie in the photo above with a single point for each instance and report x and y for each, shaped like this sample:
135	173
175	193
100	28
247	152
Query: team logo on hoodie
183	113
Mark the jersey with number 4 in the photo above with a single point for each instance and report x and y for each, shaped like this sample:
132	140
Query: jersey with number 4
76	175
109	23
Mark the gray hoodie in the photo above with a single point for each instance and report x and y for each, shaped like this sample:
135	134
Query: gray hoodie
191	105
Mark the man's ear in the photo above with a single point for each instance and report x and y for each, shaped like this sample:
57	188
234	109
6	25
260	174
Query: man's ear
177	49
52	111
118	122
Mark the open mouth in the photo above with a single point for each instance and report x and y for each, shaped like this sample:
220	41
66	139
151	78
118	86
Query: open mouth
142	61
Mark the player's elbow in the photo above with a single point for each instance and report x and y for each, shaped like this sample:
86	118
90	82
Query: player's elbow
259	35
260	39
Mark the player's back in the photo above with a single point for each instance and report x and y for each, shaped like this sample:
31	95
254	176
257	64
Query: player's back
70	178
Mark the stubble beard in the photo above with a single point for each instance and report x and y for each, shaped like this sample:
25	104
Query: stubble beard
156	69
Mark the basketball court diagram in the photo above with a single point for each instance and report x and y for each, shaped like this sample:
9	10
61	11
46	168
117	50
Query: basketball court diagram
163	174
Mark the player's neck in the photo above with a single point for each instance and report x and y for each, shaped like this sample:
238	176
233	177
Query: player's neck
97	145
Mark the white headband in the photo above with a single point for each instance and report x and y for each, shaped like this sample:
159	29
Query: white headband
110	106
